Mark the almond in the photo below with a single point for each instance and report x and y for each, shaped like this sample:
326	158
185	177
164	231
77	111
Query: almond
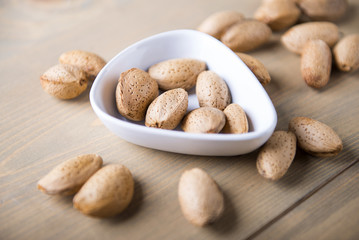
246	36
316	63
346	53
236	119
89	62
212	90
277	154
68	177
64	81
217	23
177	73
316	138
204	120
134	93
168	109
296	37
200	198
323	10
107	193
278	14
258	69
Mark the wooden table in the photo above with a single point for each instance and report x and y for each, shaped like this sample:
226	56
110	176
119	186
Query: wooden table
317	199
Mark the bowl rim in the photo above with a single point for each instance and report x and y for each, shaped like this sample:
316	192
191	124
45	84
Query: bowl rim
173	133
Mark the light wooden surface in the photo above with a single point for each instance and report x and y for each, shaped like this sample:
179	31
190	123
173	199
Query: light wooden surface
317	198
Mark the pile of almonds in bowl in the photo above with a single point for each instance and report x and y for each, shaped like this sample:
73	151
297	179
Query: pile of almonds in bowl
137	98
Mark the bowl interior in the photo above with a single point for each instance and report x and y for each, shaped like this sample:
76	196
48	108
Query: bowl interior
245	88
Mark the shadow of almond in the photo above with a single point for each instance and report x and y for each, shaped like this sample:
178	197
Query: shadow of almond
298	171
228	221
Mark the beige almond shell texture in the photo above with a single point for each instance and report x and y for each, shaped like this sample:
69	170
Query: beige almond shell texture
107	193
177	73
346	53
200	197
89	62
277	154
212	91
217	23
236	119
204	120
257	67
64	81
246	35
297	36
168	109
134	93
316	63
68	177
316	138
278	14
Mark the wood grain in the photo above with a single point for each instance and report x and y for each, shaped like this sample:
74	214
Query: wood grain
38	131
331	213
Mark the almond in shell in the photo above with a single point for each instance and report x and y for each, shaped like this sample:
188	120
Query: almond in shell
323	10
346	53
316	138
278	14
177	73
64	81
236	119
68	177
134	93
246	35
316	63
277	154
204	120
200	198
107	193
257	67
89	62
168	109
212	90
217	23
296	37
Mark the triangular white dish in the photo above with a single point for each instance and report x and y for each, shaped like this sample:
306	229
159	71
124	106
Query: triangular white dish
245	90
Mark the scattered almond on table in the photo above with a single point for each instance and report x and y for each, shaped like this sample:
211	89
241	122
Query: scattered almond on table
100	191
89	62
69	79
316	63
277	155
107	193
278	14
68	177
346	53
200	197
316	138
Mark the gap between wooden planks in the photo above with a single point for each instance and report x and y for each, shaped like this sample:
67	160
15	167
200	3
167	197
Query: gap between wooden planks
300	201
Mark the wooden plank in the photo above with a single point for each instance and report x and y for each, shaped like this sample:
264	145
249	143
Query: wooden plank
331	213
37	131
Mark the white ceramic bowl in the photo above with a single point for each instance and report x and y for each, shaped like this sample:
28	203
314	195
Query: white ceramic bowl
245	89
